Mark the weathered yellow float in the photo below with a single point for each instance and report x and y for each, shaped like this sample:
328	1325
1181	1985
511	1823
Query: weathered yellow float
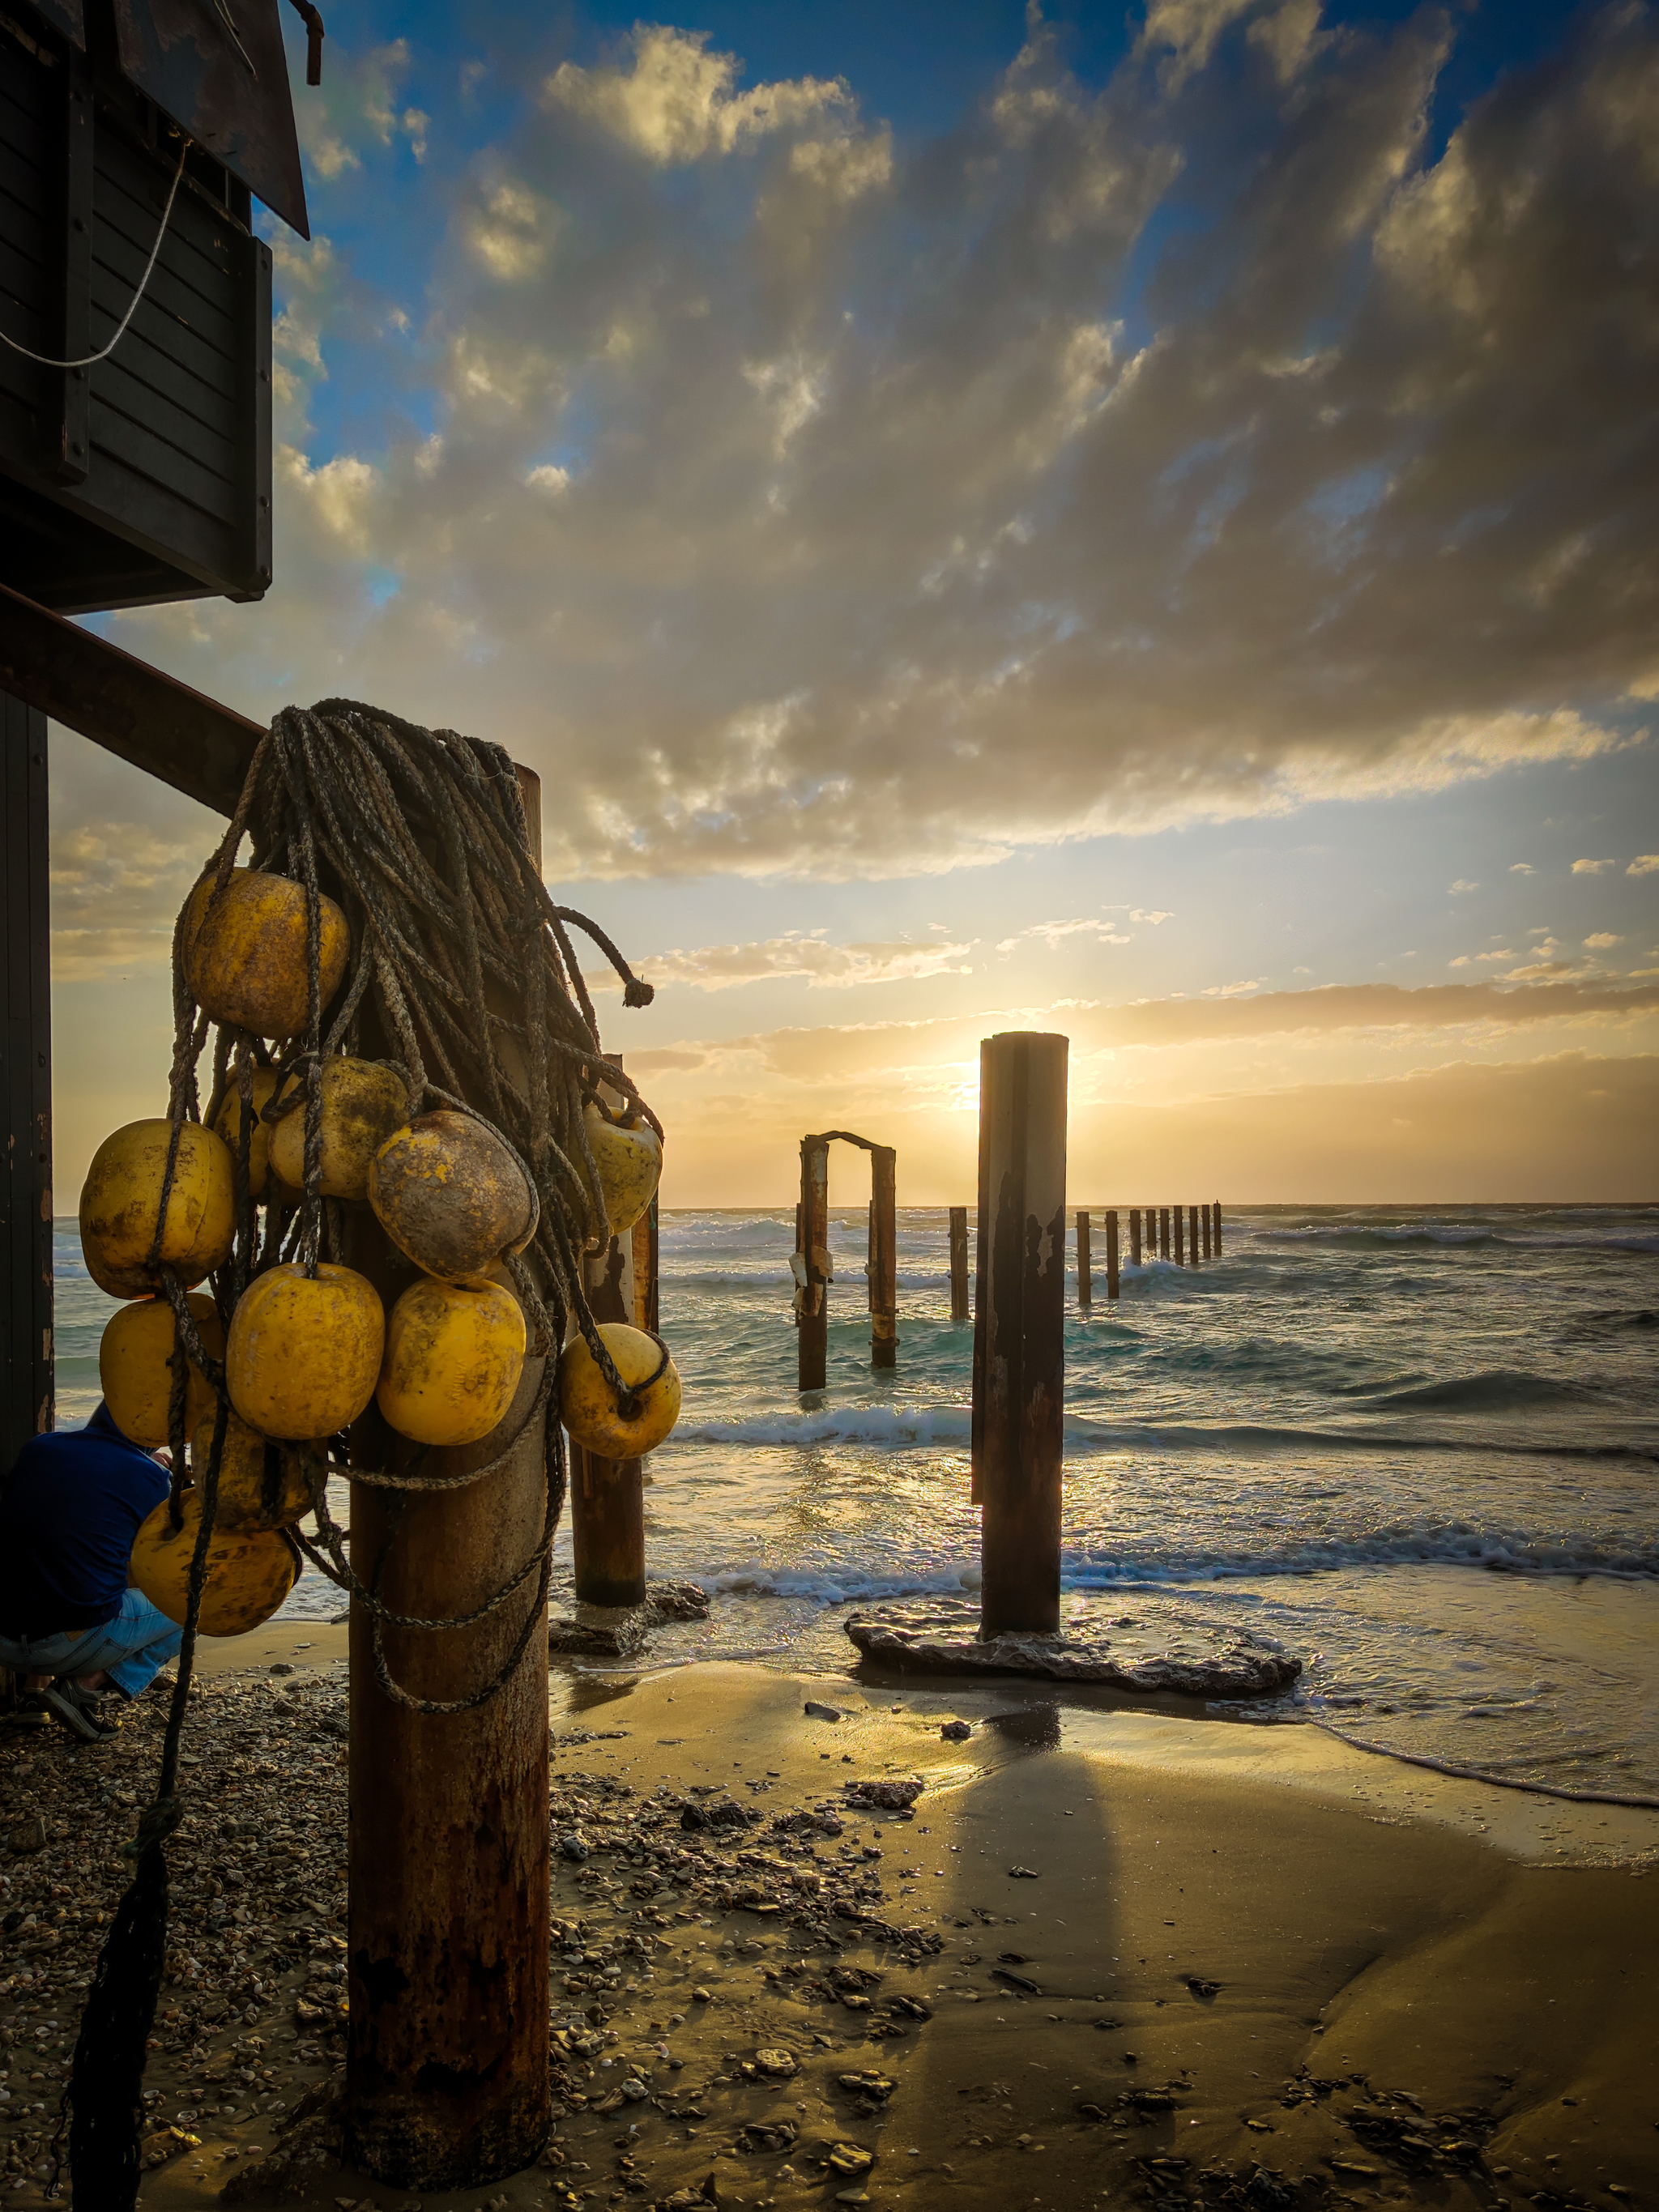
249	1571
363	1104
303	1355
589	1406
121	1202
245	1499
628	1154
450	1195
245	951
135	1369
454	1352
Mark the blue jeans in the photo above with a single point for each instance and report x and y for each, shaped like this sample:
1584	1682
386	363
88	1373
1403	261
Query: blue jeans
131	1649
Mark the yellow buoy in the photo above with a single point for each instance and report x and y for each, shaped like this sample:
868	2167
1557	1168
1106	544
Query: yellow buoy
363	1104
589	1407
121	1198
245	951
134	1369
241	1501
228	1123
303	1357
450	1194
249	1571
629	1157
454	1352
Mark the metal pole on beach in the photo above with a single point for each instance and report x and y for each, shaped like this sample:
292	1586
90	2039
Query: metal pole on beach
813	1346
446	2051
1163	1232
1180	1248
1111	1253
607	1496
1134	1235
1218	1229
1019	1318
1192	1228
1085	1288
648	1303
959	1307
883	1256
1203	1216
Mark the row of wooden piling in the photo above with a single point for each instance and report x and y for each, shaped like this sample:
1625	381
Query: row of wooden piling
1196	1240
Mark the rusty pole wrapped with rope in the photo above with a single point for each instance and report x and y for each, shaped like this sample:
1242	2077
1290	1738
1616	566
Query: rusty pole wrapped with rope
460	978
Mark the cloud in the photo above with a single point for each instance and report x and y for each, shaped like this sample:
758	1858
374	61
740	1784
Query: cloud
1052	933
676	102
1461	885
1153	914
1601	940
891	464
1520	868
826	967
1593	868
1644	864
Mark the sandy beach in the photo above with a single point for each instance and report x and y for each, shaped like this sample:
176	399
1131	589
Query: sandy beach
1113	1951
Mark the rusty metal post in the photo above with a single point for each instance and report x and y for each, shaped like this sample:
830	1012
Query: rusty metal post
1218	1229
883	1256
1111	1253
447	2068
1163	1232
1085	1288
1020	1339
648	1303
812	1246
607	1496
1134	1235
959	1307
1180	1251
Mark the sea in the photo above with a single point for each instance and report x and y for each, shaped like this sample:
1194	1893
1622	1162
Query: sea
1416	1447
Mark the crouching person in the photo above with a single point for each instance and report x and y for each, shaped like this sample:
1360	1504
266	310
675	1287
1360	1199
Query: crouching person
69	1510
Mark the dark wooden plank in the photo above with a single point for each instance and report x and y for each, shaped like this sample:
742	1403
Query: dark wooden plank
182	286
23	206
25	1362
187	740
142	363
140	447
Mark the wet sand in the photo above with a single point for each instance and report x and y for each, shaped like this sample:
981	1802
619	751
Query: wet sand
1267	1970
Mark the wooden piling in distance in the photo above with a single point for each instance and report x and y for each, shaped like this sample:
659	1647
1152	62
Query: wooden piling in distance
883	1256
960	1309
607	1496
1020	1317
1192	1234
1217	1209
447	2079
813	1243
1085	1289
1180	1251
1134	1235
647	1303
1163	1232
1111	1253
1204	1216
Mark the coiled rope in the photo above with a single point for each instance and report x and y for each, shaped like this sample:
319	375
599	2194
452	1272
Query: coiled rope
465	962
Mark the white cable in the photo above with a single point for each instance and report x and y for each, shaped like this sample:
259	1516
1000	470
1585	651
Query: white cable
87	360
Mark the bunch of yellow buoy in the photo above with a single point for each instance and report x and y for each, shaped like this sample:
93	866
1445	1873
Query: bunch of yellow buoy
305	1353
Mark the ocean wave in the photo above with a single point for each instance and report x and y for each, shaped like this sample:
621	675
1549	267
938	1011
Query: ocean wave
1502	1390
1451	1236
847	1585
906	1427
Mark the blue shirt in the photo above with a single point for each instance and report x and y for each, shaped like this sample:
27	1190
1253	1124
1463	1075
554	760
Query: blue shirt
69	1512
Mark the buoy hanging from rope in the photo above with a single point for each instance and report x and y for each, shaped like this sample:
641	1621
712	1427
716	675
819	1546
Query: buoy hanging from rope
454	1352
249	1571
363	1104
262	1483
245	951
228	1123
451	1195
135	1366
627	1152
121	1203
650	1404
303	1354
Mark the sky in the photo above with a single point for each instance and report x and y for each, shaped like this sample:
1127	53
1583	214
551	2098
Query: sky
1142	522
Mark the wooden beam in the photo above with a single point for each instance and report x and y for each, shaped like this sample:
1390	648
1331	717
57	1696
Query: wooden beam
1134	1235
26	1401
607	1496
960	1309
883	1256
1112	1275
1019	1329
1085	1287
812	1344
179	736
